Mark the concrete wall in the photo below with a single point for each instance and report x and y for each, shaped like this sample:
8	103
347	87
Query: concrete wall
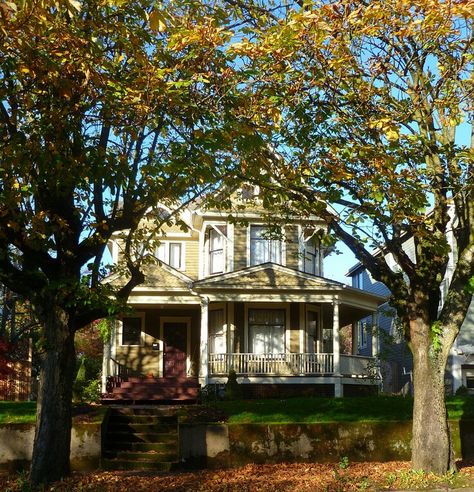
16	445
226	445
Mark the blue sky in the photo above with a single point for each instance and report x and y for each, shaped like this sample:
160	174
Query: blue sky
336	266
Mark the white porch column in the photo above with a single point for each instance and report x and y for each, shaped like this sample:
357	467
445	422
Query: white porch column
203	352
375	336
336	350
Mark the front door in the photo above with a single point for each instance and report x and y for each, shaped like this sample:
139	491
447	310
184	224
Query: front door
175	337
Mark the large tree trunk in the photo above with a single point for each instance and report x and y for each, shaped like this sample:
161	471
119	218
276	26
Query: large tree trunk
431	444
54	417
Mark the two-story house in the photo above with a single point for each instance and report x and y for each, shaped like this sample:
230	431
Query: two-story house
228	295
396	359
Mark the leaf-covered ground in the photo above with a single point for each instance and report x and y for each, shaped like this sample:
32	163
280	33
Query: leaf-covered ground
254	478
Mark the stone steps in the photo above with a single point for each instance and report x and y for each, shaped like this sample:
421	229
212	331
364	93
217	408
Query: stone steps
141	439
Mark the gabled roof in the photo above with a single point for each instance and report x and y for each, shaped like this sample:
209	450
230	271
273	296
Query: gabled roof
270	276
163	277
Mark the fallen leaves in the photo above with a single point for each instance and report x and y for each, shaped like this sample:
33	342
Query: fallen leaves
281	477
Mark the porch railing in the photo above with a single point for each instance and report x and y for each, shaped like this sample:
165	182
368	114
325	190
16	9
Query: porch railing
285	364
358	365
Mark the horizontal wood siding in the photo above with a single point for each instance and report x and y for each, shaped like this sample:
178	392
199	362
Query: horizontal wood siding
192	258
240	247
292	247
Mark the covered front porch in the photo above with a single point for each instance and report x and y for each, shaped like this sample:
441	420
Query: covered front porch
270	324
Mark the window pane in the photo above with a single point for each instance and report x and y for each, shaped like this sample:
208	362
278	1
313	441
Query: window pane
217	340
175	255
216	261
161	252
131	331
262	249
216	252
267	330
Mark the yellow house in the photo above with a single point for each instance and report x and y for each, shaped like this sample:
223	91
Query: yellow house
228	295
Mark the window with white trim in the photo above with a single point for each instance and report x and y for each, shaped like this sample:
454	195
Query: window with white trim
262	248
171	253
358	280
266	331
362	334
217	339
216	250
311	257
131	330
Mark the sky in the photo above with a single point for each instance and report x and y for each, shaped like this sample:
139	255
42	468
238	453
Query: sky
337	265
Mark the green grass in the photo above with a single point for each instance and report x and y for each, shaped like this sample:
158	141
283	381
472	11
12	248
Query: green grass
17	412
312	410
291	410
24	412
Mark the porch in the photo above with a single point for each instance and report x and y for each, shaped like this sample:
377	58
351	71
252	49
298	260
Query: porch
291	364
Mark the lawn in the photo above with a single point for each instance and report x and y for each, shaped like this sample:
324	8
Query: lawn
291	410
311	410
24	412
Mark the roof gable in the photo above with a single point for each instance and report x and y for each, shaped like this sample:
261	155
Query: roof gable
266	276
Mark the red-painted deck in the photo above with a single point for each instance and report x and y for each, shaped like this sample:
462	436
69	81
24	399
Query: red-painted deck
166	390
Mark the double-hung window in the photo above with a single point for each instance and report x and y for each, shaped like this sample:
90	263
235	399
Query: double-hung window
171	253
311	257
216	252
262	248
266	331
217	338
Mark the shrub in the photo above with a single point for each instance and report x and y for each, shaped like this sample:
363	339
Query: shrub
462	391
233	391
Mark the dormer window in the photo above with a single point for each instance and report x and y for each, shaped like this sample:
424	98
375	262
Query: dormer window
172	254
262	248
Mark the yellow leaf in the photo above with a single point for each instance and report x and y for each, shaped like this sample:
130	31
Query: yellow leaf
75	4
157	21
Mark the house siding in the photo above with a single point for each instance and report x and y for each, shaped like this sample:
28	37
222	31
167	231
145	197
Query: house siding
240	247
292	247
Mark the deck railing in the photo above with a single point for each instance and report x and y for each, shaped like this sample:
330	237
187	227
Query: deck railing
285	364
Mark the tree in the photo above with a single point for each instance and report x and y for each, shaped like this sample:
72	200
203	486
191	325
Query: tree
372	105
107	108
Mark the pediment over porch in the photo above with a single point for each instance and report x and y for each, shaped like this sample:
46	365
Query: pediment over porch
267	276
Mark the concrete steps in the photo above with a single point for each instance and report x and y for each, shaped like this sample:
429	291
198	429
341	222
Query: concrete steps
141	439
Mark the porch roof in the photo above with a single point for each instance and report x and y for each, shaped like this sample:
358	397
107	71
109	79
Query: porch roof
272	282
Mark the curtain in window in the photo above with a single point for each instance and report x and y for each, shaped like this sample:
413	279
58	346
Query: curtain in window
267	331
262	249
217	339
175	255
